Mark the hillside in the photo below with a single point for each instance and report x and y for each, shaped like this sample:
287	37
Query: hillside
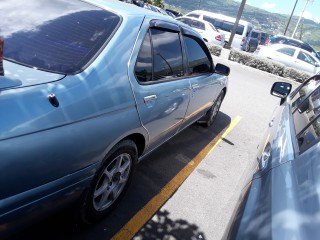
272	23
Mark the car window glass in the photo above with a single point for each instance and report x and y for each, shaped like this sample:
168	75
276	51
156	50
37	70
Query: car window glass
64	41
198	25
198	62
185	20
213	28
306	58
167	54
307	121
287	51
143	68
193	15
255	34
211	20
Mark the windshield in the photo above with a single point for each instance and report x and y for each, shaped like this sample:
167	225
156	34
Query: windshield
254	35
54	35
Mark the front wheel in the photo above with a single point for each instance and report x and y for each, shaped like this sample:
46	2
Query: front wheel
110	182
213	111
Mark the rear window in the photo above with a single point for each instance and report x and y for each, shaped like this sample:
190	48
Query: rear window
224	25
56	36
255	35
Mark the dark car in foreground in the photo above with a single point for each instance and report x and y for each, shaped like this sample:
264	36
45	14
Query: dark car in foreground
89	88
282	199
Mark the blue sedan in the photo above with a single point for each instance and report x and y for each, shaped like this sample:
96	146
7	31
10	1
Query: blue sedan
87	90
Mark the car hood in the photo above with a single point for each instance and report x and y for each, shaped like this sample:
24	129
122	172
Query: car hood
283	204
18	76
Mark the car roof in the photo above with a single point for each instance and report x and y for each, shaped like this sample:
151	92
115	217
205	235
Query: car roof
221	16
289	38
193	18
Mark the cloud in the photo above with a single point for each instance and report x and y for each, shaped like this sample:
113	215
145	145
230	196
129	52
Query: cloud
267	5
307	15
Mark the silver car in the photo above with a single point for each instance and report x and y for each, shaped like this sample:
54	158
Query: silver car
291	56
282	199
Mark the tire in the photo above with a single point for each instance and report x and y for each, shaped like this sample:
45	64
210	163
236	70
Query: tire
213	111
247	48
110	182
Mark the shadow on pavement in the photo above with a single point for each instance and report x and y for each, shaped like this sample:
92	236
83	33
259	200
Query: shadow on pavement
162	227
151	175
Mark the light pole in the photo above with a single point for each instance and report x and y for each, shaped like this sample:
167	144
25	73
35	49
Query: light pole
199	4
305	6
235	26
285	31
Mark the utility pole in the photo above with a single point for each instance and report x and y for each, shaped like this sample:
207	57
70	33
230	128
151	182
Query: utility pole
199	4
305	6
285	31
301	30
235	26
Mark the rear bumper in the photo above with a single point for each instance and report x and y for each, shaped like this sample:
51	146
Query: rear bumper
24	209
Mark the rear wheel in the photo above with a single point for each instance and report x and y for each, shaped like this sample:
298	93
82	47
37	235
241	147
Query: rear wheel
213	111
110	182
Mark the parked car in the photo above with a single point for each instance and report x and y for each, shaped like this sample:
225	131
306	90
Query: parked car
175	13
251	42
225	25
79	108
208	32
291	56
281	200
293	42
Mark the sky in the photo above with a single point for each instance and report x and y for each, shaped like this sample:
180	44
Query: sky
286	6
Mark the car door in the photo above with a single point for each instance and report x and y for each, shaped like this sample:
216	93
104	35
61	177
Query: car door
158	79
305	62
284	55
205	86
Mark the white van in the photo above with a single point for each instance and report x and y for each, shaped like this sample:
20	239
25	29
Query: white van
225	24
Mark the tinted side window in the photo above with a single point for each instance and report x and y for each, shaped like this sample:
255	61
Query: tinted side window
167	54
306	58
307	120
143	68
193	15
185	20
197	24
287	51
211	20
198	62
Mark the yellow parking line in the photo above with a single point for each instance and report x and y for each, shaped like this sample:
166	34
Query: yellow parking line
140	219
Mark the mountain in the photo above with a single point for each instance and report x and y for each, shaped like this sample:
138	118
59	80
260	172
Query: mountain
272	23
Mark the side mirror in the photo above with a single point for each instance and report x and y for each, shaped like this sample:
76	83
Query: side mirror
222	69
281	89
317	64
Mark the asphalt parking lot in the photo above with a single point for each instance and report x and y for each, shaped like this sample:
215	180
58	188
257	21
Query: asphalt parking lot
189	187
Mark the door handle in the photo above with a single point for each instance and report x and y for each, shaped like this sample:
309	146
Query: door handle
195	86
150	98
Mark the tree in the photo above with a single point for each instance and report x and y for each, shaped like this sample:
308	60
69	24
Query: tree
158	3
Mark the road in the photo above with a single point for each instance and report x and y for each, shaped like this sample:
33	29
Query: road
189	187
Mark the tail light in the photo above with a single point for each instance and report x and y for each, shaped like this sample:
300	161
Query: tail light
218	37
242	41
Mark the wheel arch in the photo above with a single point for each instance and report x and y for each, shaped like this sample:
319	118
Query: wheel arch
139	140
